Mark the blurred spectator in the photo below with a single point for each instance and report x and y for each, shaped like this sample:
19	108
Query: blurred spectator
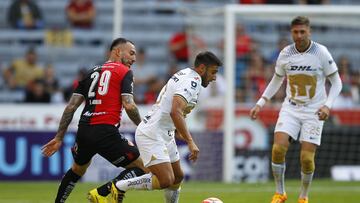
344	100
52	85
281	44
25	14
23	70
314	1
143	73
154	87
252	1
80	76
36	92
179	45
344	67
280	1
81	13
255	77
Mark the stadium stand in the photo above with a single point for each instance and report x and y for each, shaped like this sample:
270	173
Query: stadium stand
139	17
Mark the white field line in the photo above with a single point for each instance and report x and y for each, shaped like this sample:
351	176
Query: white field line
271	189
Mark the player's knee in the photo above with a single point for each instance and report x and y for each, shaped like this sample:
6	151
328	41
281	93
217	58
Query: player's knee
79	169
307	160
278	154
179	178
166	181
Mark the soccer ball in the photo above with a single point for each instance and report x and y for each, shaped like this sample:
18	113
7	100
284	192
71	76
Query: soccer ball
212	200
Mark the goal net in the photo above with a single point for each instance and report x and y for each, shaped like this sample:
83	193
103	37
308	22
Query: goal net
248	38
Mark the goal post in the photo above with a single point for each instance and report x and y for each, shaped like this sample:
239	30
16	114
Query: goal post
231	12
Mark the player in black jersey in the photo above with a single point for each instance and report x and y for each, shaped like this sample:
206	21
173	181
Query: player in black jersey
105	90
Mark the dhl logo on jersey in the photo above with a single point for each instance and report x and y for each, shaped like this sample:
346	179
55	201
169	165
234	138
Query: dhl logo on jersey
301	68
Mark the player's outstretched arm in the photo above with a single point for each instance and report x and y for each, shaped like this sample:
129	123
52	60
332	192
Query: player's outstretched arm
131	108
177	115
53	145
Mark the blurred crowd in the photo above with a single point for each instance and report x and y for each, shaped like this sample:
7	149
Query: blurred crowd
37	80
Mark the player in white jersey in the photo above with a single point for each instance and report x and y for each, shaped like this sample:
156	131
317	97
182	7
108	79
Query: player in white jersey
306	65
155	135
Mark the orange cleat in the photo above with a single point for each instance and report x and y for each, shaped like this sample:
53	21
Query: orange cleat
279	198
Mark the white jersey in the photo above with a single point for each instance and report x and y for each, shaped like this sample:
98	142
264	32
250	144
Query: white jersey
306	73
185	83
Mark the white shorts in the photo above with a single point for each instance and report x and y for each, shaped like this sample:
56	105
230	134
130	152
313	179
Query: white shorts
300	119
155	150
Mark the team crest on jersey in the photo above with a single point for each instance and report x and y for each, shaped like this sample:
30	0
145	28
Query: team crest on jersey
193	85
196	78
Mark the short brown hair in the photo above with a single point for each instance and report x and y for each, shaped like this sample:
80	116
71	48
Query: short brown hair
300	20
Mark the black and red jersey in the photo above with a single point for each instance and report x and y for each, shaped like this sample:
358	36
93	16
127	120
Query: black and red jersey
102	89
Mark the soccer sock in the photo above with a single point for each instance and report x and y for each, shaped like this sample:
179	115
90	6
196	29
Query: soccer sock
172	194
144	182
104	190
305	184
279	173
66	186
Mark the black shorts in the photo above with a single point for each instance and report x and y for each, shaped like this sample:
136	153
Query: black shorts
106	141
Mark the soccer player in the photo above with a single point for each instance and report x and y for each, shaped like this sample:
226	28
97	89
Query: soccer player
106	90
306	65
155	135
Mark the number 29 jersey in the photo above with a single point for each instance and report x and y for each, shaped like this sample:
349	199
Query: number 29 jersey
306	73
102	89
185	83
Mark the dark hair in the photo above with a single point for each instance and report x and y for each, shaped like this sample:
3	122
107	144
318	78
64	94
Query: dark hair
207	58
300	20
118	41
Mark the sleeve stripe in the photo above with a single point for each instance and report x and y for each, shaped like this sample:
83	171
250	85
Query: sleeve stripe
182	97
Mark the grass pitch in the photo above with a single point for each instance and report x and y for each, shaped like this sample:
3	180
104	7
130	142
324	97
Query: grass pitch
322	191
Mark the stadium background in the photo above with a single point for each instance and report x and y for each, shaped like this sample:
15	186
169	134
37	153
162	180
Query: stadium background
25	126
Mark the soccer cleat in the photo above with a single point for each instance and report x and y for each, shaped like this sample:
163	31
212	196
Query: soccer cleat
117	196
94	197
303	200
279	198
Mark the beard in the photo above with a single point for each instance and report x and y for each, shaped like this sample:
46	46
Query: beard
204	82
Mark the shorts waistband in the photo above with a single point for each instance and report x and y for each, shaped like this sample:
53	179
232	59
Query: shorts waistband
294	103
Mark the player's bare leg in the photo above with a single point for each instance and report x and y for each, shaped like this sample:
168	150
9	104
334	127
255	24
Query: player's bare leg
172	193
307	159
278	166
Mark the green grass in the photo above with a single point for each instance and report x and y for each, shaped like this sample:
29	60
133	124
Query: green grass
322	191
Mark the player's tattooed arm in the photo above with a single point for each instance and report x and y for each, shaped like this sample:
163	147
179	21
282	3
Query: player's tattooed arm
67	116
131	108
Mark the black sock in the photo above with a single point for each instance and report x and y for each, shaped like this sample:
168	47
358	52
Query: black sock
66	186
104	190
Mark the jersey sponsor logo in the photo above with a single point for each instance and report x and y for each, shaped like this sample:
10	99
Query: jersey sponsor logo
301	68
89	114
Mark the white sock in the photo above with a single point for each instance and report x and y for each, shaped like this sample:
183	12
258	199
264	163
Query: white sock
171	195
143	182
279	177
305	184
